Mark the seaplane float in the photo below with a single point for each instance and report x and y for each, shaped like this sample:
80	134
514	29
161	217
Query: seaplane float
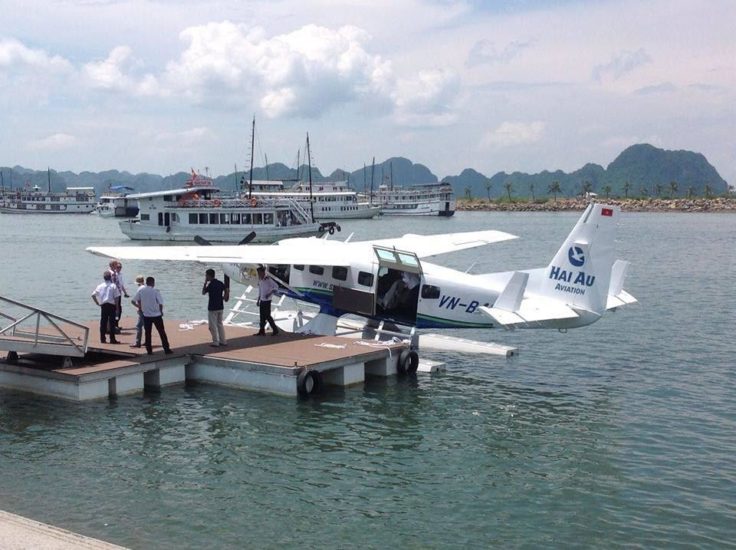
389	285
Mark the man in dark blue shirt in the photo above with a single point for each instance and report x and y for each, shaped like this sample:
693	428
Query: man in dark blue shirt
218	293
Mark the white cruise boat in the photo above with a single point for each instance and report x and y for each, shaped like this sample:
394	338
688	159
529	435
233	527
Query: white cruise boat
116	204
33	200
332	200
198	209
427	199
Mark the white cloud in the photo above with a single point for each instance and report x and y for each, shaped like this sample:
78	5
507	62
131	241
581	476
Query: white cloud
15	55
54	142
428	99
115	74
622	63
485	52
509	134
185	138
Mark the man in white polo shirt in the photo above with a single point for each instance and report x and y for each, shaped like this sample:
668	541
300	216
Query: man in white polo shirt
106	295
151	304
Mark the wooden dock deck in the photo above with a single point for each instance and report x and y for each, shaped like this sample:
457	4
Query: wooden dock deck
287	364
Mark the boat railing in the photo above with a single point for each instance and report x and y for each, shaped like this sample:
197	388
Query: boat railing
237	202
301	212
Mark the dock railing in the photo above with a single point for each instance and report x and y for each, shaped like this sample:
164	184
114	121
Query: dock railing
34	330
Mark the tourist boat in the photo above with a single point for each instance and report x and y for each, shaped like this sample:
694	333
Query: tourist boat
331	200
198	209
427	199
116	204
33	200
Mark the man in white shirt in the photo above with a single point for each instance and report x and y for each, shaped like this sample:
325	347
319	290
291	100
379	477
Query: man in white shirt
151	304
266	289
106	296
116	268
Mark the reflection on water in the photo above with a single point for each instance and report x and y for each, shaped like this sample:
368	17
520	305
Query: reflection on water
617	434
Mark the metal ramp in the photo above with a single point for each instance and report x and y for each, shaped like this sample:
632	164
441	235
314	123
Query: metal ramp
27	329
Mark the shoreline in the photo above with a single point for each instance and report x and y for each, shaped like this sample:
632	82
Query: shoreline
718	204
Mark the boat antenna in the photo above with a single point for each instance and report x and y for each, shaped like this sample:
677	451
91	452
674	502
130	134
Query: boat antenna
48	172
373	171
266	166
365	182
309	164
252	151
235	175
298	167
391	171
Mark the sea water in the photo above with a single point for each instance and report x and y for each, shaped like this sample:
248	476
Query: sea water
617	434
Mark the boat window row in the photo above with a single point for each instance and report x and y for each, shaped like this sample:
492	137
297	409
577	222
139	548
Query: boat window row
209	218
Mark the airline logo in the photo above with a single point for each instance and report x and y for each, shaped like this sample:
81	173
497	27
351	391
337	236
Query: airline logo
607	212
576	256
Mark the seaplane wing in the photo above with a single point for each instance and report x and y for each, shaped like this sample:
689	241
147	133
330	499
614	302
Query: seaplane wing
425	246
310	252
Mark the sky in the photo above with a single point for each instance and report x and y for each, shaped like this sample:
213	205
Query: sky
162	86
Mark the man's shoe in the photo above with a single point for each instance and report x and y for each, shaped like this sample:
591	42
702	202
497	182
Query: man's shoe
223	344
103	341
260	333
275	333
135	345
168	352
114	341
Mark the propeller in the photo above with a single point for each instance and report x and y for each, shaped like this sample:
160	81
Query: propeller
248	238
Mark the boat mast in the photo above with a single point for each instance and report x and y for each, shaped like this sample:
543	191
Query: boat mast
373	171
309	164
48	172
252	152
391	171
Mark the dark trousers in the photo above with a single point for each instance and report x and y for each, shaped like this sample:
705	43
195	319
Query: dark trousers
148	322
265	310
118	310
107	321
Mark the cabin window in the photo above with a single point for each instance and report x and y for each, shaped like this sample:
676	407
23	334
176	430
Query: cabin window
235	219
299	267
257	219
193	218
145	217
430	292
225	219
214	218
340	273
245	219
365	278
268	219
316	269
203	218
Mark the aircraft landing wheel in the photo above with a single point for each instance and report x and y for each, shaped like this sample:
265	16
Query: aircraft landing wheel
408	362
308	382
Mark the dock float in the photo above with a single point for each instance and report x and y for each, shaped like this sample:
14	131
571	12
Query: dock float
287	364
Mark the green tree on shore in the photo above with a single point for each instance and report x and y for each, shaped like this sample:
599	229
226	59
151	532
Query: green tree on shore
488	190
658	189
627	188
468	193
586	188
708	190
509	186
673	188
531	191
690	191
554	188
607	191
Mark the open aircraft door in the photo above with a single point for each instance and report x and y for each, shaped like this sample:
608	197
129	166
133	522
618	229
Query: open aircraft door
397	285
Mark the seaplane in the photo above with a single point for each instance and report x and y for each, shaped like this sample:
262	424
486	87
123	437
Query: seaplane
390	283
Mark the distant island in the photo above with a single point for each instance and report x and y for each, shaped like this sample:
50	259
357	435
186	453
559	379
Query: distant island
578	204
640	171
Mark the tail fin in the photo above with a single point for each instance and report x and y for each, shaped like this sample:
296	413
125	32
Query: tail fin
580	273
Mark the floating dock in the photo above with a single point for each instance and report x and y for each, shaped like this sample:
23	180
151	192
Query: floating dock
288	364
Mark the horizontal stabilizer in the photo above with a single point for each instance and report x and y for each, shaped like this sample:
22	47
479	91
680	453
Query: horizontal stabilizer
617	296
532	312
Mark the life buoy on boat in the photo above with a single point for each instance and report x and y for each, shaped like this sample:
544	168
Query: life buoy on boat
254	202
216	203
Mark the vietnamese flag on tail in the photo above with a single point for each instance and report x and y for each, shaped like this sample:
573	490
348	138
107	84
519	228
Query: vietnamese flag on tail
606	211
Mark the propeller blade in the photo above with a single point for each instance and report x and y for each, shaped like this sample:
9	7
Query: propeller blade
248	238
